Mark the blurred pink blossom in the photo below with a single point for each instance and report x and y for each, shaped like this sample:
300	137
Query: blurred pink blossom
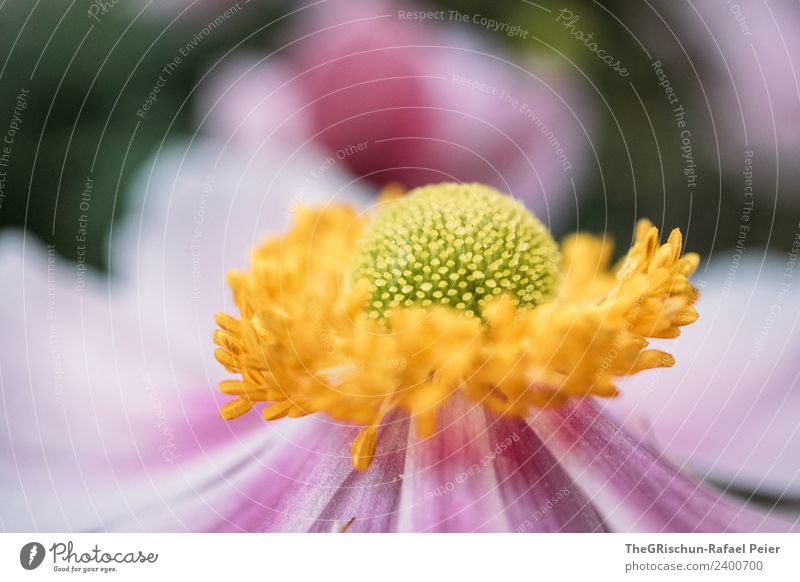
428	101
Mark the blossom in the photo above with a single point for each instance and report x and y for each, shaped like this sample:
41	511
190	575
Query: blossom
426	101
111	404
344	315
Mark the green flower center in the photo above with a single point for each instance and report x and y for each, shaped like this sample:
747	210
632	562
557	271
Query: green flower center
458	245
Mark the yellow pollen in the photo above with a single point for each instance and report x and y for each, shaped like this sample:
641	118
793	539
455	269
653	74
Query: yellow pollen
308	340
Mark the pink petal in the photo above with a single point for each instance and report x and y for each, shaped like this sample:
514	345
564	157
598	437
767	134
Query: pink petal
631	486
100	425
310	484
362	72
538	494
487	475
368	501
729	407
406	88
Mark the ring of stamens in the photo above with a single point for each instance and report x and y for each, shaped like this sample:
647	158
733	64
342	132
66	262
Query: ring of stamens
311	338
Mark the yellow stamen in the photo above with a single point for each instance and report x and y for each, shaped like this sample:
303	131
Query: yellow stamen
308	339
235	408
363	449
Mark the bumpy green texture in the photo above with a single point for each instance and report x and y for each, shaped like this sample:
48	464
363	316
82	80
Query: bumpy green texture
455	244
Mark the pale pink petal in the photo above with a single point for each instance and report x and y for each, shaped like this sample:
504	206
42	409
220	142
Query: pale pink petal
368	501
633	488
729	407
310	484
113	415
101	435
523	129
96	417
201	208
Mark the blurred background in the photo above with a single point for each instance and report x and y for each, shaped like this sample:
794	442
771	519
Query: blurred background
571	103
143	125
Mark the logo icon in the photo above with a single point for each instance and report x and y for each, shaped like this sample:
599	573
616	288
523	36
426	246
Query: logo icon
31	555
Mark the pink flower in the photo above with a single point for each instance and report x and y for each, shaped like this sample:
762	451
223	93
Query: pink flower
421	102
110	400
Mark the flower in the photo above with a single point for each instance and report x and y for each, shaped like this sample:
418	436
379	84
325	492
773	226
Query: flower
452	295
111	408
343	315
425	102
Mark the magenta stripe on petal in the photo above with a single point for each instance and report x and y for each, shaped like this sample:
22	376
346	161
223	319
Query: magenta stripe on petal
538	495
445	488
481	474
633	487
